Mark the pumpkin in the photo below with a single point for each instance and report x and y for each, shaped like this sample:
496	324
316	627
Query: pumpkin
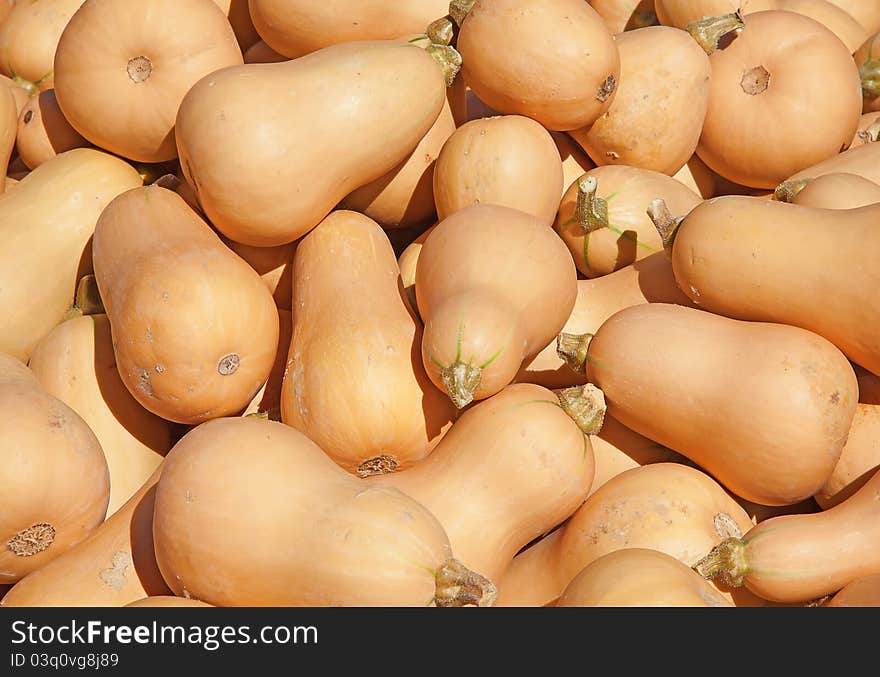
838	191
122	52
625	15
75	363
113	566
759	78
510	461
864	591
506	160
54	477
658	111
800	558
603	216
639	577
43	131
195	329
563	88
367	104
354	382
867	58
46	240
859	460
770	431
494	285
335	541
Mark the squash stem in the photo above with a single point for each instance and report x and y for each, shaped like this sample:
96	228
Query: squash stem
870	74
456	585
871	133
709	30
448	58
726	561
665	223
585	405
88	296
461	381
441	31
572	349
459	9
788	190
590	212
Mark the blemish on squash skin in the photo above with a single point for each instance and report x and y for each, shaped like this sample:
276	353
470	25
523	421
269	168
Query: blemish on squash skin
144	383
114	576
228	364
31	541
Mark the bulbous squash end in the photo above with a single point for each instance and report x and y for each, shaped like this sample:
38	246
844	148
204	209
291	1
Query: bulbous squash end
725	561
459	586
461	382
585	405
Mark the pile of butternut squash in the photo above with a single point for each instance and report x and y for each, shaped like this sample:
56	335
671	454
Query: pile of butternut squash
470	303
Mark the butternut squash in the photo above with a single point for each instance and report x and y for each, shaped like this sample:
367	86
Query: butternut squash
770	431
758	79
838	191
20	95
625	15
115	565
867	58
267	401
506	62
260	52
727	260
494	285
859	460
166	601
863	591
406	262
354	382
195	330
123	52
510	461
657	114
43	131
799	558
53	475
603	216
5	8
669	507
860	160
273	264
639	577
331	540
47	224
365	104
75	363
8	129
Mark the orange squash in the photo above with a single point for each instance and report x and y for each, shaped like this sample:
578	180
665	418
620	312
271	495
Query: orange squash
603	217
5	8
669	507
658	111
862	592
354	382
838	191
799	558
859	460
8	120
639	577
195	330
75	363
506	62
122	52
508	451
115	565
273	264
307	106
625	15
506	160
494	286
861	160
867	58
729	262
757	79
46	234
336	541
166	601
53	475
43	131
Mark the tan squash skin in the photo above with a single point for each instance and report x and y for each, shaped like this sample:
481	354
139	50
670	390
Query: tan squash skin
866	13
75	363
799	558
706	183
54	478
630	235
770	430
115	565
868	130
8	128
726	258
330	539
505	60
867	58
838	191
29	37
507	160
859	460
273	264
494	286
267	401
861	160
625	15
122	52
308	106
511	461
5	8
669	507
639	577
657	114
647	280
739	140
406	262
239	16
354	382
404	197
295	27
43	131
260	52
46	234
166	601
20	95
862	592
195	329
